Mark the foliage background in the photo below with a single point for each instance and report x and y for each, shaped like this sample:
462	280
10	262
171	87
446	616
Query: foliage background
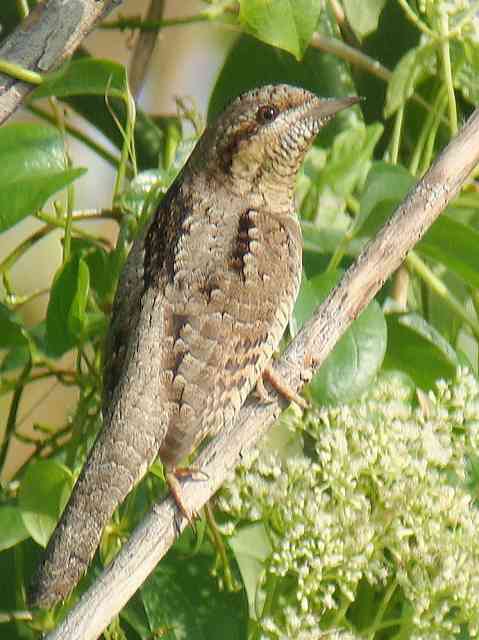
261	568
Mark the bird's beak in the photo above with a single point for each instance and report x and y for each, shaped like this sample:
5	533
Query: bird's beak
328	107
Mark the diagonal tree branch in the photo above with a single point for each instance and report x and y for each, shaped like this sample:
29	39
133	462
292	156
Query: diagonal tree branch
144	48
382	256
50	35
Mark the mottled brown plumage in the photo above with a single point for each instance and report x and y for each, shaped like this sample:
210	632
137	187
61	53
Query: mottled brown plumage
202	303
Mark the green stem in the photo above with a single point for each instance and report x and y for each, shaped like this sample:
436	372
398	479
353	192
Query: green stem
31	410
426	128
378	618
12	616
41	446
220	547
10	386
475	303
437	285
154	25
66	378
475	300
351	55
127	149
20	73
340	616
67	238
431	139
417	22
362	61
339	253
13	412
89	365
446	65
271	593
22	248
54	222
23	9
28	298
342	246
84	215
387	624
396	137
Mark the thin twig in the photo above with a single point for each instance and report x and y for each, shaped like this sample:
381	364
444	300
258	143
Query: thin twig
13	412
136	22
380	258
361	60
144	48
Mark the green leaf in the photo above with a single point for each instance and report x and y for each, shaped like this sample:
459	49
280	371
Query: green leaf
102	266
466	78
386	186
87	76
251	547
440	314
448	241
415	66
363	16
149	138
9	17
76	313
305	304
67	304
320	242
12	528
182	600
135	198
455	245
16	358
32	349
355	360
43	495
11	330
135	615
287	24
32	168
416	348
150	134
358	355
350	158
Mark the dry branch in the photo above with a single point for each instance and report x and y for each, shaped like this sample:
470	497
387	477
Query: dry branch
382	256
50	35
144	48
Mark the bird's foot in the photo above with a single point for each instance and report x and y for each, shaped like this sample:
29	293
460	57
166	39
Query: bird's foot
172	478
281	386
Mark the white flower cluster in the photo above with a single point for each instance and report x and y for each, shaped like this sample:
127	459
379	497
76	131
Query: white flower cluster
302	627
382	502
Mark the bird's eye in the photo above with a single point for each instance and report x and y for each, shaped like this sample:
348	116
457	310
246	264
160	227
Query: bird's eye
266	113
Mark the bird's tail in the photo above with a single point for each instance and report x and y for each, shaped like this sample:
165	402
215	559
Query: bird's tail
118	460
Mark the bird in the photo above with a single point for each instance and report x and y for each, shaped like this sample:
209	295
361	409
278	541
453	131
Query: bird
202	303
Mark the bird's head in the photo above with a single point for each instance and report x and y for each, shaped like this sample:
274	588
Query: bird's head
257	145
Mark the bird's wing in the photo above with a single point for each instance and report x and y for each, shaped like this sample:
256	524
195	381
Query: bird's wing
228	321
